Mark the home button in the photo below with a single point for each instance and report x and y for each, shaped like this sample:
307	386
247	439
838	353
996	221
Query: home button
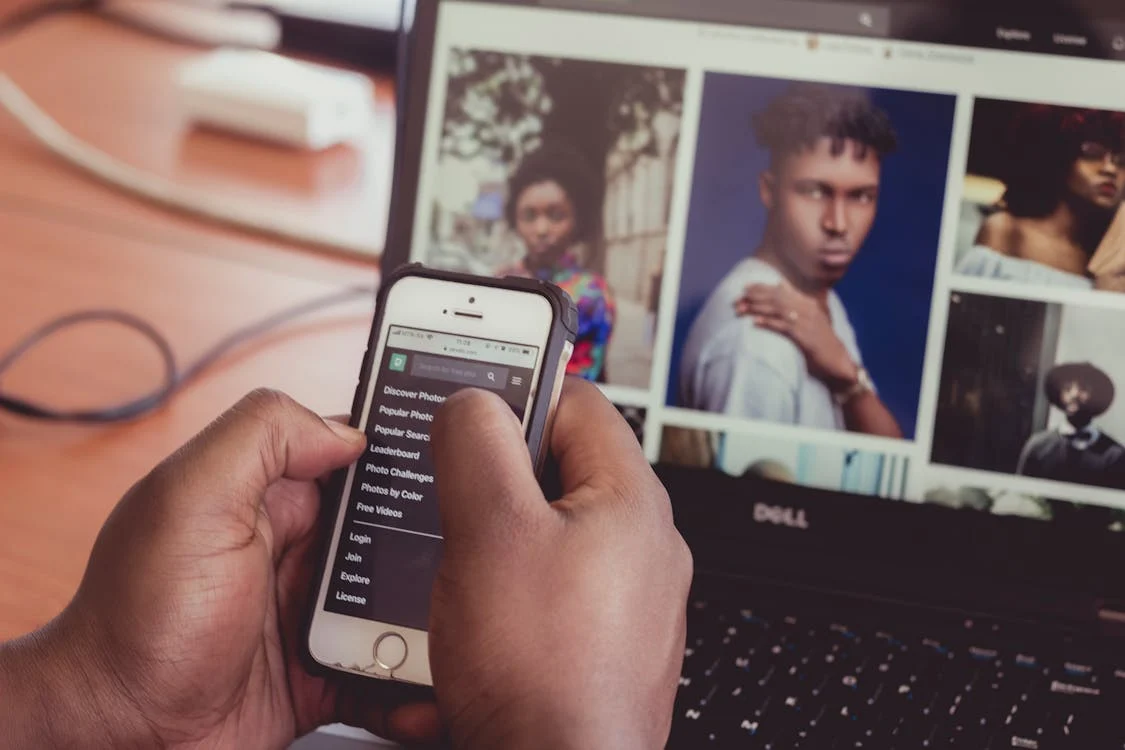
390	651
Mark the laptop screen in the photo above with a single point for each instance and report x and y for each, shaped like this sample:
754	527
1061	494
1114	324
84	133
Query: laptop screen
809	241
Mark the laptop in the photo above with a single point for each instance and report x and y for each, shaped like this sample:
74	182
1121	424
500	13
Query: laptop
853	272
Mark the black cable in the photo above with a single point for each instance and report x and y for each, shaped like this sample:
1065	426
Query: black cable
174	378
38	11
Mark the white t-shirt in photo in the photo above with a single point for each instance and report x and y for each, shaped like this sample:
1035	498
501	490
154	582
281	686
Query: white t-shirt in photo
731	366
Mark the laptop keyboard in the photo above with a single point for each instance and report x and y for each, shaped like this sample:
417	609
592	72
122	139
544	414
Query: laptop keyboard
775	678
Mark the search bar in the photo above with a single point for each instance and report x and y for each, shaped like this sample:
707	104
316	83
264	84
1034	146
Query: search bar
463	373
824	16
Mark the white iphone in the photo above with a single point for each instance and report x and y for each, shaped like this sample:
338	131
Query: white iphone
434	333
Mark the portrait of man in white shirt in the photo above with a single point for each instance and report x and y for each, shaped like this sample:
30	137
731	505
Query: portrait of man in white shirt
773	341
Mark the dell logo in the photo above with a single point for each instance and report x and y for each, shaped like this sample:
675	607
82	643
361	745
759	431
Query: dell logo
794	518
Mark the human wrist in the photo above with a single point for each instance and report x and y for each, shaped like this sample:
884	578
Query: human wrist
853	388
54	694
554	729
843	377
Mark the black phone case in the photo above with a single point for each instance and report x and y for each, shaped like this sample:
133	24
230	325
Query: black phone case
563	331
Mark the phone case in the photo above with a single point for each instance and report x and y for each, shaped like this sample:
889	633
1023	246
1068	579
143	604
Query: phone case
563	332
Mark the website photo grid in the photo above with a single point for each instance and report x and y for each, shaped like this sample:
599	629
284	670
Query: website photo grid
900	289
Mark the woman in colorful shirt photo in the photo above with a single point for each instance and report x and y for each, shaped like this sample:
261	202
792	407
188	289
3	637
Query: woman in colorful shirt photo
553	206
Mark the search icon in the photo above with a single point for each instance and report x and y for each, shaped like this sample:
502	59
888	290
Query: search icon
462	373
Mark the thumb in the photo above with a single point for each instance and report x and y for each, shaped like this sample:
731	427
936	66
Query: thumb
264	438
486	484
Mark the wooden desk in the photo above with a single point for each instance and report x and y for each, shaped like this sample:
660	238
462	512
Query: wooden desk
68	244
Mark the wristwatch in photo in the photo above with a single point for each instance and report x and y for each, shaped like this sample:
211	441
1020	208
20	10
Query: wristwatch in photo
863	384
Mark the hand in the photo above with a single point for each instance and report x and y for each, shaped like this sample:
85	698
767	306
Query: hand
804	319
554	625
1107	264
186	626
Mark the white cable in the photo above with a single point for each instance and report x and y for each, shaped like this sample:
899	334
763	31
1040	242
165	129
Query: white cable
108	170
198	22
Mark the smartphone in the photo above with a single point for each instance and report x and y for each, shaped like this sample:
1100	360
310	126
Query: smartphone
434	334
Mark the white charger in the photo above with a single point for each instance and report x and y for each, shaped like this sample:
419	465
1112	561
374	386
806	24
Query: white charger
264	95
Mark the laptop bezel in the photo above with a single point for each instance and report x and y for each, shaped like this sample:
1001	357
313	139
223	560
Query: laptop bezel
895	549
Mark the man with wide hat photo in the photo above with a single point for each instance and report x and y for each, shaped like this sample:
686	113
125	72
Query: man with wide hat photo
1076	451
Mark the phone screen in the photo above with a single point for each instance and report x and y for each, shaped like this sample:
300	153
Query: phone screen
390	541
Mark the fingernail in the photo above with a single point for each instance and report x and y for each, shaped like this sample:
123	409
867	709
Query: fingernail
345	432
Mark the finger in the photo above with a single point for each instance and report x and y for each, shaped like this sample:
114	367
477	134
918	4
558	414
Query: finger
485	480
759	311
414	723
325	479
777	324
1102	257
764	296
757	307
595	448
759	293
264	438
1106	260
408	724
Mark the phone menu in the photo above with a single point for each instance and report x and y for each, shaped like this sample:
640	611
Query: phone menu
390	543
